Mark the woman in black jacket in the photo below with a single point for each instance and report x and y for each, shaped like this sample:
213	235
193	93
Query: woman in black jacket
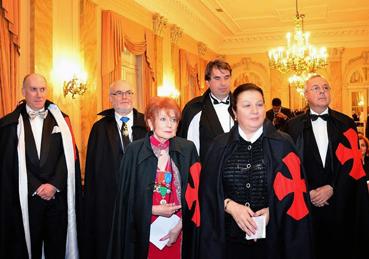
253	173
158	177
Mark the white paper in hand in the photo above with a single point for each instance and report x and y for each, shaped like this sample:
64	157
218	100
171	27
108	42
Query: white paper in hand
260	228
160	227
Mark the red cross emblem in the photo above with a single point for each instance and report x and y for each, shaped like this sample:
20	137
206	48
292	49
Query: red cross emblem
284	186
192	197
344	154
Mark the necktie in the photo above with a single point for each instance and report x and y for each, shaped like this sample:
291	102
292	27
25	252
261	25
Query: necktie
34	114
124	132
314	117
215	101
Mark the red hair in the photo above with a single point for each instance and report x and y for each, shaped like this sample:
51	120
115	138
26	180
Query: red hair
158	103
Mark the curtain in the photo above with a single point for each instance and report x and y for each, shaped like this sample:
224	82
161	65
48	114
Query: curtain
190	67
9	54
114	40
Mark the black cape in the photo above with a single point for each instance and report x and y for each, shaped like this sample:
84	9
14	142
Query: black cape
132	215
104	155
347	215
209	127
12	236
288	233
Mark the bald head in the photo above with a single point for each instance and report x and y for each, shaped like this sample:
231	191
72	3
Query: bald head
120	96
34	90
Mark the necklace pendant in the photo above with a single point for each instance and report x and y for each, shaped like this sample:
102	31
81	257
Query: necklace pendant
163	202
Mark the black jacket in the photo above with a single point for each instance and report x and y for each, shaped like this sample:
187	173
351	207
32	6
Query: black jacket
132	215
288	233
209	127
104	155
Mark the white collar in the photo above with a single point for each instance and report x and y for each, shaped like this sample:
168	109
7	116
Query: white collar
254	137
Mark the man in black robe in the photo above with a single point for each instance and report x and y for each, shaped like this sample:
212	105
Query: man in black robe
104	154
328	144
40	185
209	115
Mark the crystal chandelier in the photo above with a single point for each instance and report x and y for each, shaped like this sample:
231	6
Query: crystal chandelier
299	56
298	82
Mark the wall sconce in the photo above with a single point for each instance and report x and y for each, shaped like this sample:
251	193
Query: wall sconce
168	88
74	86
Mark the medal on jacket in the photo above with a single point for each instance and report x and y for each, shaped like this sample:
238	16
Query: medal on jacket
164	180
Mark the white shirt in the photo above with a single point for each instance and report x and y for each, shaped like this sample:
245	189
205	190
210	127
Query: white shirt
225	119
321	135
221	110
36	124
120	124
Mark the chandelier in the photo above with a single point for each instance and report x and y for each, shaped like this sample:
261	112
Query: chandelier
299	56
298	82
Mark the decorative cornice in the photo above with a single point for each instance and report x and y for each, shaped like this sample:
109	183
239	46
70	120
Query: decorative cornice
202	48
364	56
335	54
159	23
247	63
175	33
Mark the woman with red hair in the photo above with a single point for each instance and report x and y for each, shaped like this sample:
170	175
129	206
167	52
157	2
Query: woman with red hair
158	181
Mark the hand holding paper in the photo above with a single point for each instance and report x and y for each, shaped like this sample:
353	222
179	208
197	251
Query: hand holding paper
160	228
260	228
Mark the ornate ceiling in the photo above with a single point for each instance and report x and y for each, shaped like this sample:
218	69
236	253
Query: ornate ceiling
240	26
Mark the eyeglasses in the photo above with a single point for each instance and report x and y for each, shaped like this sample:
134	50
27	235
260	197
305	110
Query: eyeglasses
128	93
318	89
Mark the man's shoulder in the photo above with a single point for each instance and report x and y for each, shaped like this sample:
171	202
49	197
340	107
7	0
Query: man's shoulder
285	109
297	119
343	118
340	115
11	118
139	118
195	103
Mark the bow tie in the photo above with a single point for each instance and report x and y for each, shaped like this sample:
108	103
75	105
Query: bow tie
34	114
215	101
314	117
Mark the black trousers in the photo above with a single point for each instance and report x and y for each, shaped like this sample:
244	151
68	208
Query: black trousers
48	226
